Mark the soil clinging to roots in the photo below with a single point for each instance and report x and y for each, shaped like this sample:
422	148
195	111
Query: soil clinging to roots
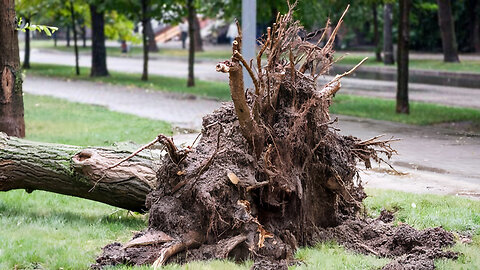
269	173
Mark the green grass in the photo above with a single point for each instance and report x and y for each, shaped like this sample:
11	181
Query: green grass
137	51
49	231
216	90
52	231
54	120
384	109
222	54
427	64
452	213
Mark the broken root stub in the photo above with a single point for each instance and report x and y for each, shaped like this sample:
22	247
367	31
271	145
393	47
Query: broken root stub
269	173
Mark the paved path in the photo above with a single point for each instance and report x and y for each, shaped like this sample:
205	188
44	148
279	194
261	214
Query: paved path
183	111
435	160
205	70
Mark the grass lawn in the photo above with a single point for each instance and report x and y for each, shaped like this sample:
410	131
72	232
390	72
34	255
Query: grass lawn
367	107
216	90
428	64
54	120
49	231
223	54
137	51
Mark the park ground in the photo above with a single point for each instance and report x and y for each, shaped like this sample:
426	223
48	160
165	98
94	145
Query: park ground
438	155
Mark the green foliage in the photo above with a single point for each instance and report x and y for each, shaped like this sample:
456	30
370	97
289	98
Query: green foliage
49	30
119	27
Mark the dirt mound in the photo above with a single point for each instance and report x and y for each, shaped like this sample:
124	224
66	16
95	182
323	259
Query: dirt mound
269	173
410	248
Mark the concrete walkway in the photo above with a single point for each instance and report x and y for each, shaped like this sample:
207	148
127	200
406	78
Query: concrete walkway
433	159
205	70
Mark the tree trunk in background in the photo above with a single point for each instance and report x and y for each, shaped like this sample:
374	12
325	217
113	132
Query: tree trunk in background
152	44
99	53
198	34
68	36
447	30
74	28
402	57
11	95
476	26
191	45
74	171
84	36
55	39
145	21
387	35
26	58
376	34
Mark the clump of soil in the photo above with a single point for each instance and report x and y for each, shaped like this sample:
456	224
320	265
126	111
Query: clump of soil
409	248
269	174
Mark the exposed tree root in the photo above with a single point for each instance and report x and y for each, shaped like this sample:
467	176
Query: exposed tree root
269	174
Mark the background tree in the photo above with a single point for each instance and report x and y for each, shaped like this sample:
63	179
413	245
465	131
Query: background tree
447	29
388	34
402	57
11	95
99	52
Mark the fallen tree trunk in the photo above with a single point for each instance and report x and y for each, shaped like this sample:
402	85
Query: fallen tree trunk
77	171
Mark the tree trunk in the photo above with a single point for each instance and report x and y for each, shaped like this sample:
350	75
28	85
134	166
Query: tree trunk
447	30
68	36
145	21
99	53
402	57
152	44
476	27
387	35
198	34
11	96
191	45
71	170
75	45
55	38
26	59
376	35
84	36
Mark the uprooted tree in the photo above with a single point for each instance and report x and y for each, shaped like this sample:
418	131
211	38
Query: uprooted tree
268	175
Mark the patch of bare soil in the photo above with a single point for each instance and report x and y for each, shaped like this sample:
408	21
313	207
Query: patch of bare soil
269	174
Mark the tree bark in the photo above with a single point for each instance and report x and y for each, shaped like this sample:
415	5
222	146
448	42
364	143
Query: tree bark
447	30
71	170
26	58
84	36
376	34
387	35
145	21
11	96
68	36
191	45
198	35
152	44
402	57
99	53
476	26
75	45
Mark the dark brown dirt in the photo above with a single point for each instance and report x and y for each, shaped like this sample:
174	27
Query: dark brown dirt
269	175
